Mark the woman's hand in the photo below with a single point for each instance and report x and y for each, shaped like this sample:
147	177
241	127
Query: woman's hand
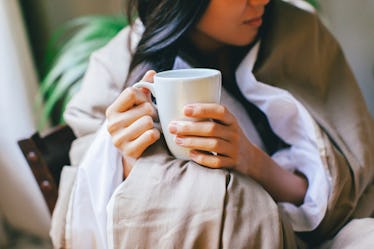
130	123
219	142
220	133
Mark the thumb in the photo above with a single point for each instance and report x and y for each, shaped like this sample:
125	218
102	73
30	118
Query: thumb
148	76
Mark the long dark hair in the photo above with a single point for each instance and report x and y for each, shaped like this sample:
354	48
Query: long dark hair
166	22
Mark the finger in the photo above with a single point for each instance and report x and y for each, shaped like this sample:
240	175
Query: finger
129	98
136	147
209	111
201	129
118	121
217	145
148	77
132	132
210	160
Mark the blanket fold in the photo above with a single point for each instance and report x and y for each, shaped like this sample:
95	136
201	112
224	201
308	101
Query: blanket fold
179	204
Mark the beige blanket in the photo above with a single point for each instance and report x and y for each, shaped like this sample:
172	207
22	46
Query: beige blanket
179	204
169	203
308	62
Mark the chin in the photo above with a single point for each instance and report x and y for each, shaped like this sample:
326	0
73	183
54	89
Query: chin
243	42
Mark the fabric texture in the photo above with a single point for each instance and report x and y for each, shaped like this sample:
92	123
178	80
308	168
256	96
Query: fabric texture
97	180
294	125
180	204
97	177
58	222
290	55
358	233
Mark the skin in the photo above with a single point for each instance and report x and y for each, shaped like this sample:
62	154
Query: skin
130	123
130	117
234	22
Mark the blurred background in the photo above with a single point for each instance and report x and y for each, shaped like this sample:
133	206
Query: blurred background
43	17
25	30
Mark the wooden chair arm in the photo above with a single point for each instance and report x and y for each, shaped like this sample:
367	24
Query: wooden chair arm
46	155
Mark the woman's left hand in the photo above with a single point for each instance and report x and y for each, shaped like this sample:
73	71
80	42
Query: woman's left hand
217	141
220	133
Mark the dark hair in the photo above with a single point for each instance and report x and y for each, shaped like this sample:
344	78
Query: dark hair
166	22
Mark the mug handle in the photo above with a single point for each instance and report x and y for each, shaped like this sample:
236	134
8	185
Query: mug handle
147	85
150	87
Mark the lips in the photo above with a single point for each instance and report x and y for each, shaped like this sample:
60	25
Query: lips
254	22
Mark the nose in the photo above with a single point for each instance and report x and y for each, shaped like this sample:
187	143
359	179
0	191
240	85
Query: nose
258	2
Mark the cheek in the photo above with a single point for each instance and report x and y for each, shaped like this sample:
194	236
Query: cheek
213	28
219	17
228	32
217	28
223	22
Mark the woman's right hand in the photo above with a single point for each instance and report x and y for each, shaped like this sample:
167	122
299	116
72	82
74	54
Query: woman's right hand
130	123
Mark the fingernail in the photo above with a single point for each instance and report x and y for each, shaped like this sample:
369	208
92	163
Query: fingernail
188	110
149	72
178	140
173	127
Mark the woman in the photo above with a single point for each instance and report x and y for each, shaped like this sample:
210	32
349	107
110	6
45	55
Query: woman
267	127
215	41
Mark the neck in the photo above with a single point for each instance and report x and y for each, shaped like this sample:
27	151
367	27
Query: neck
205	44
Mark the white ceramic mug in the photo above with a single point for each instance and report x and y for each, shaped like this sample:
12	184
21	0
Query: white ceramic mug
174	89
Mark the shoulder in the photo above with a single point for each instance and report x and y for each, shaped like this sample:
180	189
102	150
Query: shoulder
124	42
294	42
116	55
286	21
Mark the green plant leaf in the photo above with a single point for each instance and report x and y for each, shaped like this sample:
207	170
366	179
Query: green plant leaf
63	84
67	59
314	3
74	30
